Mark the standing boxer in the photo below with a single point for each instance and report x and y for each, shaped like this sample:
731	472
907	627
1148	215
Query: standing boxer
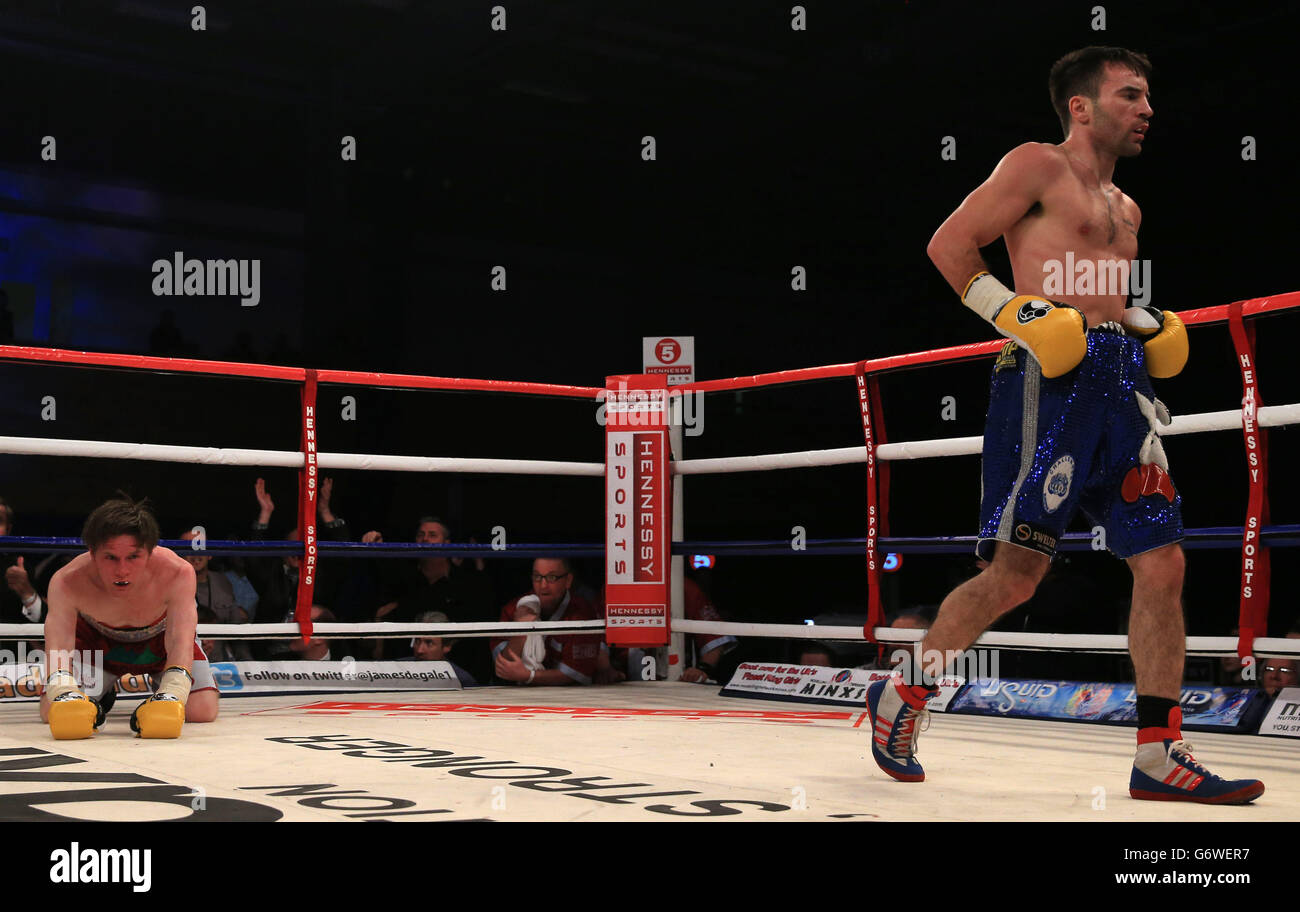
1072	416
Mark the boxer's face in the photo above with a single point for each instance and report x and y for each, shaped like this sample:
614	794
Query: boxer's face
120	563
1122	112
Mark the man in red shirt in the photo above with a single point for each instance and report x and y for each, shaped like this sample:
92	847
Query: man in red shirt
709	647
570	659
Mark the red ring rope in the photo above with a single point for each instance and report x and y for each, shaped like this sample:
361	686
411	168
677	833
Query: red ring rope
1253	615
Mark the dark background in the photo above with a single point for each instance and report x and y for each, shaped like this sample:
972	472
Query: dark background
521	149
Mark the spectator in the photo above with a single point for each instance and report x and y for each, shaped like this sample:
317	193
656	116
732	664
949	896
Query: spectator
714	656
1230	668
437	649
216	601
315	649
233	569
710	656
571	659
907	620
48	566
410	588
425	584
1280	671
276	579
218	650
20	603
814	652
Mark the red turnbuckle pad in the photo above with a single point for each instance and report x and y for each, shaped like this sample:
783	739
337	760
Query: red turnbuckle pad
1143	481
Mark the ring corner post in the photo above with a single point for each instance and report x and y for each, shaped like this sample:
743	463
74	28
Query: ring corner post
637	512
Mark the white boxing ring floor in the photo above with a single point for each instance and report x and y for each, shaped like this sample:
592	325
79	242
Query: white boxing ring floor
596	754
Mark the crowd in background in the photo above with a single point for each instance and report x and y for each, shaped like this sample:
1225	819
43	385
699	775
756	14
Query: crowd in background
437	590
429	589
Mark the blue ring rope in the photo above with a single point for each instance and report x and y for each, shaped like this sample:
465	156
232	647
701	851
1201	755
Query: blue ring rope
1221	537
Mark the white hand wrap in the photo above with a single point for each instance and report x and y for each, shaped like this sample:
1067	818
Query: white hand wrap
986	295
177	682
60	683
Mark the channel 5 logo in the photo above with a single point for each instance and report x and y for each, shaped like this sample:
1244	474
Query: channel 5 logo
226	674
668	350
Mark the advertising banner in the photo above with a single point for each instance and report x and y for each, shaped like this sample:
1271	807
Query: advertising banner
1203	707
817	684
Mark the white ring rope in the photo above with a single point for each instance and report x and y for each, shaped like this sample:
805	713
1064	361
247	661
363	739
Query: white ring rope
346	631
1041	642
107	449
1049	642
1271	416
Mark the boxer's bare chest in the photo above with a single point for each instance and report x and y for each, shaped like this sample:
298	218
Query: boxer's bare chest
143	607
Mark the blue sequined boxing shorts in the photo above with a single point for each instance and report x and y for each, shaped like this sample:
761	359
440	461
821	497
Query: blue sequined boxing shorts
1078	442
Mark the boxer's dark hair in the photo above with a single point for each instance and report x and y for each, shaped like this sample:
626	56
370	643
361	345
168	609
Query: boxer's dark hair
1080	73
121	516
7	515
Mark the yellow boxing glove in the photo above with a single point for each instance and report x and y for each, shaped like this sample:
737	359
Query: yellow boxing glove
1055	334
1166	339
163	714
73	715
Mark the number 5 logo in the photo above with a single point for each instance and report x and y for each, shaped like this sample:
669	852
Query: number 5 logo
666	350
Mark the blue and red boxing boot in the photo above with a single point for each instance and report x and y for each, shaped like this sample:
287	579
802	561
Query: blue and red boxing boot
896	710
1165	770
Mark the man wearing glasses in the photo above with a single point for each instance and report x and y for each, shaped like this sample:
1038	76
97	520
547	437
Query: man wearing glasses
1280	671
570	659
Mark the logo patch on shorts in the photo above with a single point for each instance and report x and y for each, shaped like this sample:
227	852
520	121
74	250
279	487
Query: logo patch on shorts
1006	358
1056	487
1035	538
